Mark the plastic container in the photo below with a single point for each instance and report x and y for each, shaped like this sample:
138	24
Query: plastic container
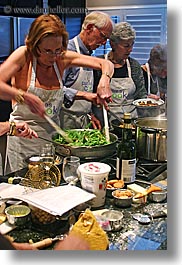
93	177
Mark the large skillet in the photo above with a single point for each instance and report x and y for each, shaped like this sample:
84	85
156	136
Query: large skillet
88	152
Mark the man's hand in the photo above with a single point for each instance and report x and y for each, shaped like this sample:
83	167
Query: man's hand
95	122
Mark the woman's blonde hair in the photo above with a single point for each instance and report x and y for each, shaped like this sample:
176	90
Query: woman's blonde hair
43	26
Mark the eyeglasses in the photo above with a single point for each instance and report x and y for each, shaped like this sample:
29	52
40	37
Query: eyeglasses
102	34
58	52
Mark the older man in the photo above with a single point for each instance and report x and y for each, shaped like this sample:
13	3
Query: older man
96	29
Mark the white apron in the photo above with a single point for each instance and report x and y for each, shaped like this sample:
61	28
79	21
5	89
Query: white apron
149	77
76	117
19	148
123	90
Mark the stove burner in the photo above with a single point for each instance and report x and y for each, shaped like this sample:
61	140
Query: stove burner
146	170
149	170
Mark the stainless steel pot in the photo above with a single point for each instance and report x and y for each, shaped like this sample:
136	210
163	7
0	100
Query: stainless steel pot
88	152
151	138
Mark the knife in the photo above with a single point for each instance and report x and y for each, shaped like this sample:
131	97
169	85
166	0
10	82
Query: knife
47	241
58	129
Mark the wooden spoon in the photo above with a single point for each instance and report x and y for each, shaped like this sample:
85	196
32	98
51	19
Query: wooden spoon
106	124
147	191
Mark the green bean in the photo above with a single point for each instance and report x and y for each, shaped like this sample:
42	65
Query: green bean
83	138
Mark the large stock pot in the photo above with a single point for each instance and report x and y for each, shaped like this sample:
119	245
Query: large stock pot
151	138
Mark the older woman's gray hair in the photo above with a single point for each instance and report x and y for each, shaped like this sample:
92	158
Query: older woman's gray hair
122	31
158	56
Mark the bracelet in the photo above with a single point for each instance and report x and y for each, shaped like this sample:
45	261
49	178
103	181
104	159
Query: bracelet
12	128
20	97
105	73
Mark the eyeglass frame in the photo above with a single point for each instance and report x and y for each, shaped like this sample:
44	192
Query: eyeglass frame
102	34
51	53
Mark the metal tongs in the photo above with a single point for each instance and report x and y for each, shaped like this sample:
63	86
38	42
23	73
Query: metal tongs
48	241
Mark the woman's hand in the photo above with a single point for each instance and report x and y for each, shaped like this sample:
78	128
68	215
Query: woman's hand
156	97
34	103
23	130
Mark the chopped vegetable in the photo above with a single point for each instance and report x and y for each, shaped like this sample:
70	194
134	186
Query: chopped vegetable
82	138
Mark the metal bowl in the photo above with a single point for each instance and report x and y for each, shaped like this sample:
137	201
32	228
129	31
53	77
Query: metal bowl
124	200
115	219
158	196
109	192
18	214
113	185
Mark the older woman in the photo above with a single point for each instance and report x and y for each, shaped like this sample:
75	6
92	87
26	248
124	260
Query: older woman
155	72
127	83
37	67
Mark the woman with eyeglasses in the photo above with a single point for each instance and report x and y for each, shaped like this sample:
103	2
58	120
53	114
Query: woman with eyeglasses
37	68
155	72
127	83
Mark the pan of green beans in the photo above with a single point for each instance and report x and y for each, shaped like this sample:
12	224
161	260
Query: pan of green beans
86	143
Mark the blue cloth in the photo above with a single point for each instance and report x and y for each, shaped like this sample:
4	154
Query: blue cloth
142	244
71	74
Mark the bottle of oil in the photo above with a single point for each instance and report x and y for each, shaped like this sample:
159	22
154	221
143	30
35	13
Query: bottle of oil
126	153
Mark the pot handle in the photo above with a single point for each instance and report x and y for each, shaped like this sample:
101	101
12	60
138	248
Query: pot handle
148	130
161	150
63	150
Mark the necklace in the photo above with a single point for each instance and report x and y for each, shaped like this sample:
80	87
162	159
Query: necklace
114	61
154	81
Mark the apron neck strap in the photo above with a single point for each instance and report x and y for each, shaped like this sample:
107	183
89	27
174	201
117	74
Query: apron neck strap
77	47
33	76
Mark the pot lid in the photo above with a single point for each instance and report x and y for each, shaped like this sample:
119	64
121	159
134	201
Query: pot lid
160	124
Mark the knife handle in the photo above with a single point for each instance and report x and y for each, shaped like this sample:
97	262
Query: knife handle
43	243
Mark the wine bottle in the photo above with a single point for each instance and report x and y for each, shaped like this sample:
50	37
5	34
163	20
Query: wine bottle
126	153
